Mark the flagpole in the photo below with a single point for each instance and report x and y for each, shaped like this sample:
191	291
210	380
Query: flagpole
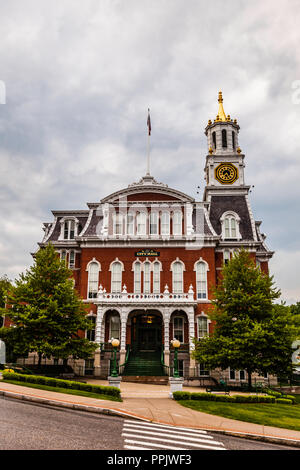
148	143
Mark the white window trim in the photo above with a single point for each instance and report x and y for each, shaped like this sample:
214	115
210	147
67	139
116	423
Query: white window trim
118	217
167	232
62	227
176	213
111	270
201	260
182	275
183	329
234	215
145	215
202	315
156	262
88	271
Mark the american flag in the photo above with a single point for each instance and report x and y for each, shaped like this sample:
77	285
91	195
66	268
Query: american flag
149	122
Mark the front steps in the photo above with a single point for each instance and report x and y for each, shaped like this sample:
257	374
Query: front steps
145	364
146	379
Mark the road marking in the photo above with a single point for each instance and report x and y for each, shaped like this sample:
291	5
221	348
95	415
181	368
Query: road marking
144	435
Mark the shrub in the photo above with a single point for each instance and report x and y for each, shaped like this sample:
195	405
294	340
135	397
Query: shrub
283	401
181	396
291	397
99	389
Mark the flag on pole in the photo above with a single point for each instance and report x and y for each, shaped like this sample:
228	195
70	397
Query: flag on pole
149	122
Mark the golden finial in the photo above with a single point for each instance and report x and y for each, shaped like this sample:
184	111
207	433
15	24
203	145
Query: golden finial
221	112
209	122
228	118
210	150
235	121
238	150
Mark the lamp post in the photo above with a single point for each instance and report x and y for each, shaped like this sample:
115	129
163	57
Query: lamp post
115	344
176	345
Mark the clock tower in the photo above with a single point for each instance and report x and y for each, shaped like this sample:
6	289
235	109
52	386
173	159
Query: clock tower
224	169
226	193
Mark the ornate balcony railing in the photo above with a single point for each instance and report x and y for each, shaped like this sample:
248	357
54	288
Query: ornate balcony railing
131	297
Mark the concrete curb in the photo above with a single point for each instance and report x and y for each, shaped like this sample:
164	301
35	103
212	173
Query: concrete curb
123	414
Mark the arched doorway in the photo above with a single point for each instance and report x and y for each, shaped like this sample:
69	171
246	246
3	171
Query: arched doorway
146	331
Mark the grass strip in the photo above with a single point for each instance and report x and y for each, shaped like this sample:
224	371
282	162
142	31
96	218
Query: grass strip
276	415
65	390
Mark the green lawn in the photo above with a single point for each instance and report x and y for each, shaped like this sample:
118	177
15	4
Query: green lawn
65	390
280	416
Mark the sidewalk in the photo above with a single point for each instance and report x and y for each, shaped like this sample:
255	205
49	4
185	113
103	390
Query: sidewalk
152	403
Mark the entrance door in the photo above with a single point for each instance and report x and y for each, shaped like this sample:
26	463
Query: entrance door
146	333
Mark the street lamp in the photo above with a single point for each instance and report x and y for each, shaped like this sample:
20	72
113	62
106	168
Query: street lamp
176	345
115	344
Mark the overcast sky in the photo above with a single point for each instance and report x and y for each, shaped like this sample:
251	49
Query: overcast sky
80	76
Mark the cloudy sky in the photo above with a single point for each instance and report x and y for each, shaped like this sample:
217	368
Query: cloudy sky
78	79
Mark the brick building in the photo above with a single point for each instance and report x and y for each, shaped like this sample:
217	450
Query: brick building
145	259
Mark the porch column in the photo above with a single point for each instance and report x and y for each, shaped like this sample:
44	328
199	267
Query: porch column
166	319
97	356
124	316
99	333
191	319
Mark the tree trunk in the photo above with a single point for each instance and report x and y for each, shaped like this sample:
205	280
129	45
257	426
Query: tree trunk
40	360
249	372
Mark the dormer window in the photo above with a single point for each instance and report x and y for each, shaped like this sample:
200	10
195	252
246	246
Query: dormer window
230	226
69	230
153	223
177	223
165	223
118	224
141	223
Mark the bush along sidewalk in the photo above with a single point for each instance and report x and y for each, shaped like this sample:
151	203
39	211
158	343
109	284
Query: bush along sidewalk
181	396
68	384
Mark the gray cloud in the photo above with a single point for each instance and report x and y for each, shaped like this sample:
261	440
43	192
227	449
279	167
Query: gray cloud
80	76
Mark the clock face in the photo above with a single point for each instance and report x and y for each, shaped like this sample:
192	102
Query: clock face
226	173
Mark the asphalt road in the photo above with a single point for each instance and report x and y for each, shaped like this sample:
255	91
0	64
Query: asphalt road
26	426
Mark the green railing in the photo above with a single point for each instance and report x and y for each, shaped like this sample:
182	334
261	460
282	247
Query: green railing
122	366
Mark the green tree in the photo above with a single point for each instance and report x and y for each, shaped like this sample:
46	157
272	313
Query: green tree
250	332
295	309
46	312
5	285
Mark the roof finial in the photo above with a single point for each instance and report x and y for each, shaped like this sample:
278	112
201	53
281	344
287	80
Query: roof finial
221	113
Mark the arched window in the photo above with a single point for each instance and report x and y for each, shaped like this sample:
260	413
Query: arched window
226	256
72	259
230	225
165	223
201	280
90	334
147	280
93	279
177	269
116	277
141	223
137	277
69	230
202	326
114	326
177	223
156	277
224	138
214	140
233	140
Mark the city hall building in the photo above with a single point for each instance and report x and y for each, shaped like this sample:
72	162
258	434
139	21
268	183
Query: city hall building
146	258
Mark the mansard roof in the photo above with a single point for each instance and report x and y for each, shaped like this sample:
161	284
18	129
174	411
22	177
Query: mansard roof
148	189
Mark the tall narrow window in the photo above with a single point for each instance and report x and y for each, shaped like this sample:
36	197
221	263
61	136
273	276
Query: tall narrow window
118	224
141	223
69	230
90	334
114	327
116	277
137	277
214	140
165	223
147	277
226	256
63	255
233	140
224	138
93	279
177	223
202	324
230	227
177	269
72	259
201	280
178	328
153	223
156	278
130	224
